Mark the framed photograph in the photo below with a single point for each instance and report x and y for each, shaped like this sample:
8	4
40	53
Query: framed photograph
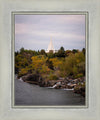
51	75
49	61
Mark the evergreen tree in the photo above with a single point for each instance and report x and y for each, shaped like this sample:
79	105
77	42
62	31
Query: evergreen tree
61	52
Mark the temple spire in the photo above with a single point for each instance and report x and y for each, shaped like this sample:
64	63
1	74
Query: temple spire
50	46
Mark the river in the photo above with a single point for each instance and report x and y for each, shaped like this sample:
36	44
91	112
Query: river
30	95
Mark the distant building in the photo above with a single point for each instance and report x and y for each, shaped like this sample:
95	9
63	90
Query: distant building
50	47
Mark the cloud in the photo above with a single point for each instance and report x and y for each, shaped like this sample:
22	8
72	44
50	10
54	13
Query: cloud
33	19
36	30
62	19
22	28
29	30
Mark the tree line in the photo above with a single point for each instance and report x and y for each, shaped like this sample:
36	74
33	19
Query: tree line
63	63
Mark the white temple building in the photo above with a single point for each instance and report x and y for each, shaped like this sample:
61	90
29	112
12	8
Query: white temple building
50	47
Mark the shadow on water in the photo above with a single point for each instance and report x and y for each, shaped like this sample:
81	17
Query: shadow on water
29	94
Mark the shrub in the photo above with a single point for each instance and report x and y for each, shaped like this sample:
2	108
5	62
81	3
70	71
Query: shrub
52	77
79	75
23	71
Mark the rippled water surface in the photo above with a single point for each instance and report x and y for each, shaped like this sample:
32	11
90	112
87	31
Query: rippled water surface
29	94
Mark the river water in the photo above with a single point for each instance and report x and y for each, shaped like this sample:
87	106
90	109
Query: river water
30	95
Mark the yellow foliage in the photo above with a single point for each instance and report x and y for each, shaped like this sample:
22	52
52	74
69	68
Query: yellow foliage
39	64
45	69
23	71
56	62
38	61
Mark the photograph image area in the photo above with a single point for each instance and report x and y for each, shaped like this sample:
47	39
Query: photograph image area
49	60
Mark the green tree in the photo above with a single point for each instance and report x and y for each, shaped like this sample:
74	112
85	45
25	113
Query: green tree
83	50
74	51
50	54
42	52
21	50
61	52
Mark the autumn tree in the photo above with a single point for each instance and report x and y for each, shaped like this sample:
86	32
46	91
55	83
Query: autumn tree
73	65
39	64
56	62
49	64
68	52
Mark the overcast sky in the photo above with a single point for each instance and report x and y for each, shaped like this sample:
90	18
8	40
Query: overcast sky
35	31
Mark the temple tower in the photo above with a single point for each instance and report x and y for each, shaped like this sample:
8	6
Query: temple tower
50	47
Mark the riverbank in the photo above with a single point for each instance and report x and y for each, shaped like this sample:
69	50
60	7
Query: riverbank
32	95
78	85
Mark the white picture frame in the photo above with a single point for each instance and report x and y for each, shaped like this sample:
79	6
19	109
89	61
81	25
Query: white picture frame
13	14
6	110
